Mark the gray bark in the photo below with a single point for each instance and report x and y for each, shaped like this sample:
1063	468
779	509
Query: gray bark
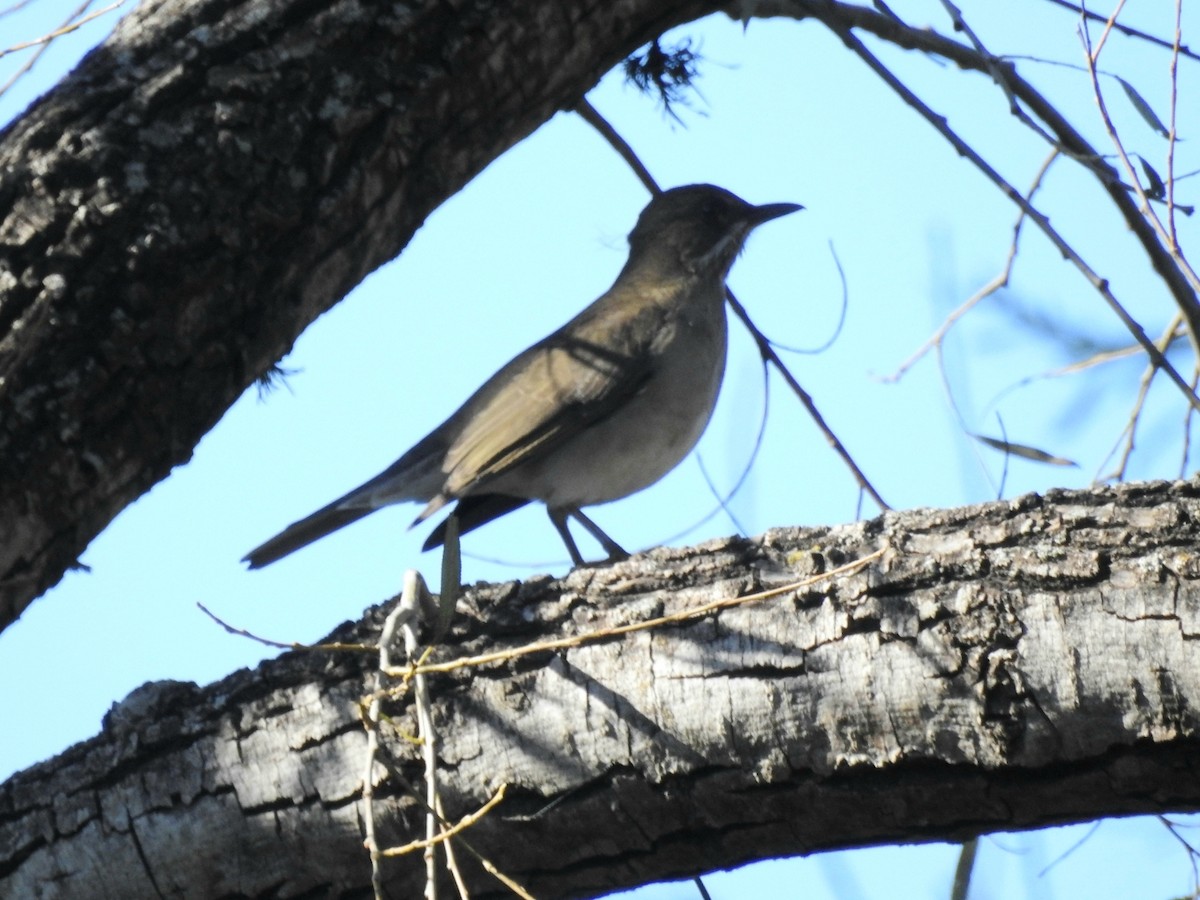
1008	665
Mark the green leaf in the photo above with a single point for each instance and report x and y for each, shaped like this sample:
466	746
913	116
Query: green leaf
1143	107
1025	452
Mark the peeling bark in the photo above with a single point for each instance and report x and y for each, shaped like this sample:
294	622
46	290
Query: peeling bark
1008	665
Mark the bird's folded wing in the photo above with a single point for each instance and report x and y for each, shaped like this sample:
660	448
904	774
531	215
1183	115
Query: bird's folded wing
548	394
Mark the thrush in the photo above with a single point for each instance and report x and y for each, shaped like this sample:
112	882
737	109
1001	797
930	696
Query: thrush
603	407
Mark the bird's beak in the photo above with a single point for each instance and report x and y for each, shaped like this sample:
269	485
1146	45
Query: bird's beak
769	211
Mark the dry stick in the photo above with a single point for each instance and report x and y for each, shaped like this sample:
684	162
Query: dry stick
1147	209
386	638
286	645
766	351
987	290
590	115
992	64
1172	135
43	43
406	613
1099	283
1125	29
464	823
398	776
1128	433
589	637
72	23
1187	427
842	17
412	600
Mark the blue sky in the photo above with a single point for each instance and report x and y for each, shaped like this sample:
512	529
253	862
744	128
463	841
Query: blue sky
786	114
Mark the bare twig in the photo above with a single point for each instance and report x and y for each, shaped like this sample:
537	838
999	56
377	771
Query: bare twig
1191	310
371	720
604	634
1147	210
1129	433
841	18
285	645
962	872
1000	281
414	598
768	353
618	143
1124	29
1172	133
72	23
453	831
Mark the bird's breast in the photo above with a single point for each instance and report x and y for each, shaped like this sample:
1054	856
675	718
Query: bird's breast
651	432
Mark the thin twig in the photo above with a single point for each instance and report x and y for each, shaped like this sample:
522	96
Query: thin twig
1191	310
768	353
618	143
1129	432
413	598
453	831
604	634
371	720
1188	415
1124	29
962	872
1000	281
1146	209
286	645
72	23
841	18
1172	133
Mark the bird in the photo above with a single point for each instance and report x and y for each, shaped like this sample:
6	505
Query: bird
600	409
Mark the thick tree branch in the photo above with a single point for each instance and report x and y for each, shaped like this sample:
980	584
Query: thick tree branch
1008	665
204	185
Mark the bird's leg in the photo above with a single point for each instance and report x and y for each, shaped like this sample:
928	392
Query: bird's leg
614	550
559	518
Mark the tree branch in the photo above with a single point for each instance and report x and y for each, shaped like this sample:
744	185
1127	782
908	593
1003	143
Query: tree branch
1007	665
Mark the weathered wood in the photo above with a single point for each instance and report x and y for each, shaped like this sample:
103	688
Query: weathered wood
1008	665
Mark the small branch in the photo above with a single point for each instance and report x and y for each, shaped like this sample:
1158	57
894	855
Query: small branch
618	143
1125	29
464	823
841	18
1000	281
1147	209
284	645
413	600
1129	432
768	353
578	640
1191	308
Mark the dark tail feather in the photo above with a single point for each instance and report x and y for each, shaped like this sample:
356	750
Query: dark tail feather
474	511
302	533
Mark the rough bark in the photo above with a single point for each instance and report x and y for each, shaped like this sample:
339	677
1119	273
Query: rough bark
1009	665
205	184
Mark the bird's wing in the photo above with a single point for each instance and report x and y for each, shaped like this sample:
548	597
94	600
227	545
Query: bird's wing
554	390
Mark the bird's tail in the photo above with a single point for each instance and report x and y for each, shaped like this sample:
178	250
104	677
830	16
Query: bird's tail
415	476
300	534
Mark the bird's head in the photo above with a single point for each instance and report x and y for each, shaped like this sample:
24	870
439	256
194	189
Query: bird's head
699	226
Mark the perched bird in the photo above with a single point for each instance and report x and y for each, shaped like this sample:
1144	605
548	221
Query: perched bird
601	408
